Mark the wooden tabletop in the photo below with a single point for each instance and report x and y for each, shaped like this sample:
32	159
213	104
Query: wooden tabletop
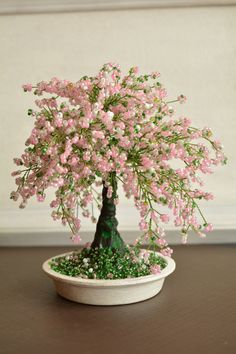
195	313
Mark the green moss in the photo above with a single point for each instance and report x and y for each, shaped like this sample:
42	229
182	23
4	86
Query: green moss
106	263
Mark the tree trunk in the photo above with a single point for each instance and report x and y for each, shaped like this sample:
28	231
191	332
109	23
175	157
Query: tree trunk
107	235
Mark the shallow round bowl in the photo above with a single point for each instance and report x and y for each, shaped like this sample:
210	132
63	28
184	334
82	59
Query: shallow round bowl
108	292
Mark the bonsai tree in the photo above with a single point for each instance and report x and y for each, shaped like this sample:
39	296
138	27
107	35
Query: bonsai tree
101	131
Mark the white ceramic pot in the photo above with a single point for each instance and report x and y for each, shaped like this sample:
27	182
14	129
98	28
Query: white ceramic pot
108	292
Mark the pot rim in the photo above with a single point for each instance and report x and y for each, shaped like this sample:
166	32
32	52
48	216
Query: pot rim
108	282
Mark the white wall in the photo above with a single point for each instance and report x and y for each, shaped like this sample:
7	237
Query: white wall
193	48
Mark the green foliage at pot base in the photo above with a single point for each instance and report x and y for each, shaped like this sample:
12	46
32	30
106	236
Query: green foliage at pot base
107	263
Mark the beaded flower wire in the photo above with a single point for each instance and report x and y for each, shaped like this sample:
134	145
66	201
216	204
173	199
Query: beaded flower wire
111	129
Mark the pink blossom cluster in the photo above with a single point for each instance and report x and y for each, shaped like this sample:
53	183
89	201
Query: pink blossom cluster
108	125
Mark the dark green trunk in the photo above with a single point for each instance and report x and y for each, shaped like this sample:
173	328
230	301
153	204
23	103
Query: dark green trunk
107	234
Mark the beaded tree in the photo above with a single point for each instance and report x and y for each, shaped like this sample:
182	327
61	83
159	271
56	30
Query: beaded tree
110	128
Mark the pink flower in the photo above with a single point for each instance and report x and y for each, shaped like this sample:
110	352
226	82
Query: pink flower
143	225
208	228
76	238
166	251
144	255
86	156
161	242
14	196
182	99
77	223
27	87
84	123
15	173
208	196
178	221
41	197
86	214
154	216
58	122
155	74
98	134
146	162
165	218
18	162
54	203
87	245
155	269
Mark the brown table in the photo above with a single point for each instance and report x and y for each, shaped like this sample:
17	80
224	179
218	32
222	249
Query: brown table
194	314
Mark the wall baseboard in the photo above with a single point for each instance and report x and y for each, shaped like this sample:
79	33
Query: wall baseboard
63	238
34	227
